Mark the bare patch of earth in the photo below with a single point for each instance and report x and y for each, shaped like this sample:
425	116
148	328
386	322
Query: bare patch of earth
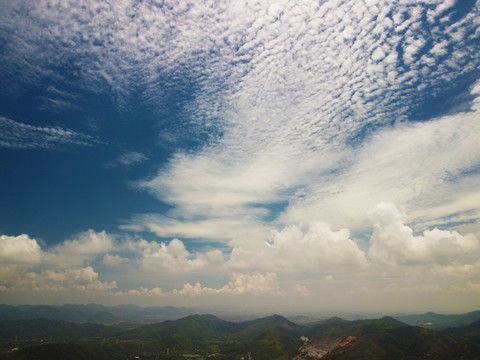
318	349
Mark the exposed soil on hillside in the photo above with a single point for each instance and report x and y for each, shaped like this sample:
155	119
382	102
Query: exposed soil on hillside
318	349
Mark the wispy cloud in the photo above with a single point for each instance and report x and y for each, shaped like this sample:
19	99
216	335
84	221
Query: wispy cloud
127	159
19	135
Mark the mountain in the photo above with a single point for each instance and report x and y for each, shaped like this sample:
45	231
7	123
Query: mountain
197	327
255	327
384	338
64	351
470	332
94	313
56	329
275	337
19	333
65	313
439	321
269	338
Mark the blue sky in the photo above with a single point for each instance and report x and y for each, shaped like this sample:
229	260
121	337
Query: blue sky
289	154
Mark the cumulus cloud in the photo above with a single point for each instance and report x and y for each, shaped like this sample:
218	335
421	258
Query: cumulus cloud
142	292
114	260
239	284
174	257
51	281
82	247
19	250
394	243
291	249
301	290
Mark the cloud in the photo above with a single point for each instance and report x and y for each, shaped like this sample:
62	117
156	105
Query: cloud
219	228
19	250
174	257
84	246
114	260
394	243
51	281
131	158
289	86
128	159
18	135
301	290
142	292
239	284
309	114
420	166
290	250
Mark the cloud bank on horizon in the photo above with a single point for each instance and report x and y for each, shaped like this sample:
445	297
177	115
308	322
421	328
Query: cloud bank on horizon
302	150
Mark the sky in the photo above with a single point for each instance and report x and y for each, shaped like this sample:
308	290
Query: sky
302	155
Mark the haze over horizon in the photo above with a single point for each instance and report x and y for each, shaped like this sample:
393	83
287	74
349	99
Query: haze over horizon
312	155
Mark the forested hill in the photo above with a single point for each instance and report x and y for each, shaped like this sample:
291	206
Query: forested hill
207	336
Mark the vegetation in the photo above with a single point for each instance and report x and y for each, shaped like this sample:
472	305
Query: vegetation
470	332
269	338
440	321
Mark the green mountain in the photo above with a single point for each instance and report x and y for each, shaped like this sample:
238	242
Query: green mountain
470	332
20	333
53	329
439	321
256	327
269	338
66	351
385	338
94	313
65	313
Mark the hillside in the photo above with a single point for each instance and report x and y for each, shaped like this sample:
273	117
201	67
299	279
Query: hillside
388	338
66	351
470	332
269	338
94	313
20	333
439	321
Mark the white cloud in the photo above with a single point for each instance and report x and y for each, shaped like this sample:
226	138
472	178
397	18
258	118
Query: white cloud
114	260
394	243
301	290
142	292
84	246
304	94
19	250
255	284
294	250
421	167
174	257
64	281
305	85
127	159
239	284
18	135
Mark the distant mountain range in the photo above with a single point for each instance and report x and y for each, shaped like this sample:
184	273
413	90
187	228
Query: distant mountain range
94	313
207	336
439	321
